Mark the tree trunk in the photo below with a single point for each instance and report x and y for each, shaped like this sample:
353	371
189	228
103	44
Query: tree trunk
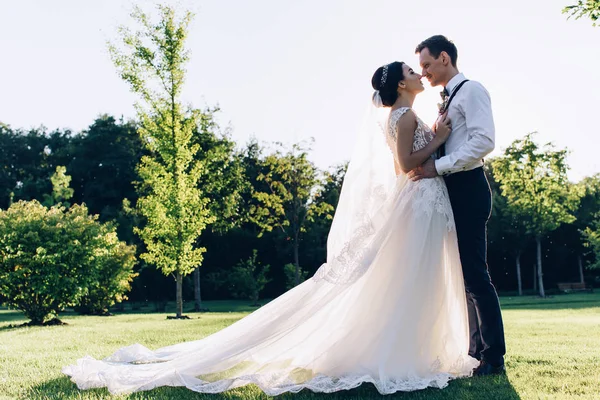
581	279
197	293
534	278
540	275
297	259
179	294
519	283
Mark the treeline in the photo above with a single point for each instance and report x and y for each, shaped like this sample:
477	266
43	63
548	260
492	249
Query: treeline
272	206
273	211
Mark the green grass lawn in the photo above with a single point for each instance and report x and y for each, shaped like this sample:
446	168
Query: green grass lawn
553	353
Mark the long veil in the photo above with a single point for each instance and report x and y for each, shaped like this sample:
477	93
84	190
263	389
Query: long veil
369	181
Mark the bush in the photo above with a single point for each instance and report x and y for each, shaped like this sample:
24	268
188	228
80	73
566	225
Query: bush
114	273
290	275
248	279
51	258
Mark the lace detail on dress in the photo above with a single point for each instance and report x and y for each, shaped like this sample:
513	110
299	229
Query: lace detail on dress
426	195
291	379
423	134
350	264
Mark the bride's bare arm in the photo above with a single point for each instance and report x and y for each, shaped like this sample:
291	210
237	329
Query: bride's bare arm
406	126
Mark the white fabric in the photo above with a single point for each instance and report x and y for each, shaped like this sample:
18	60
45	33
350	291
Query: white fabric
377	101
473	132
388	307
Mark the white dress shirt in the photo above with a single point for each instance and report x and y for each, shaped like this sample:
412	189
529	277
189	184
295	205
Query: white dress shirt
472	136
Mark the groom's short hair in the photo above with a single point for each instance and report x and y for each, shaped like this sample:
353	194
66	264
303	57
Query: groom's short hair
436	44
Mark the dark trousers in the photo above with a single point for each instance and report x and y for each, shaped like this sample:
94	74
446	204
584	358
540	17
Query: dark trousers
471	200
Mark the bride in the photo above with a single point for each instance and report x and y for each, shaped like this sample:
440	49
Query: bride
388	307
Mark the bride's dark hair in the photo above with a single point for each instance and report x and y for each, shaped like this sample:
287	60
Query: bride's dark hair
388	87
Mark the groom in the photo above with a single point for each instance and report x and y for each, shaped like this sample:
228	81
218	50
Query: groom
461	164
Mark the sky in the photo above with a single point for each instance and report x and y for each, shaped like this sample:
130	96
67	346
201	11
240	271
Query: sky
291	70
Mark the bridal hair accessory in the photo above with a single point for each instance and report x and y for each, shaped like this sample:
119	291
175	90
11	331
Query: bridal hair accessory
377	101
384	75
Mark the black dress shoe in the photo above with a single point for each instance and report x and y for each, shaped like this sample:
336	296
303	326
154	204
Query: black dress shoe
485	369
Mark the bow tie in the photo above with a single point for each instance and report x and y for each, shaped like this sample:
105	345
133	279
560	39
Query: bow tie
444	93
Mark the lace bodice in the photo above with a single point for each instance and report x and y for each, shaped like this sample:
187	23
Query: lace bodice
423	134
425	195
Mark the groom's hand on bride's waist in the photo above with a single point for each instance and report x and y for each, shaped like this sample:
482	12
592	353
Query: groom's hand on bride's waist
426	170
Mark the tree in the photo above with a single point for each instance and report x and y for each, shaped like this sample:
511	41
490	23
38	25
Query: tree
507	228
592	237
587	220
176	210
291	197
51	257
314	243
61	192
223	180
589	8
534	182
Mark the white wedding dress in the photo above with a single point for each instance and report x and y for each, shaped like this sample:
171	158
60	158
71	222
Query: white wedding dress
388	308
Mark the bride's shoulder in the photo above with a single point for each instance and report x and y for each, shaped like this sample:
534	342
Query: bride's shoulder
401	120
406	112
401	111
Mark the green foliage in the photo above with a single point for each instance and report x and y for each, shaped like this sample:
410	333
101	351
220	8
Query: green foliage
49	258
247	279
588	215
289	201
592	237
583	8
60	188
104	158
176	208
223	179
538	194
507	225
534	182
290	197
290	276
28	159
113	274
313	246
589	206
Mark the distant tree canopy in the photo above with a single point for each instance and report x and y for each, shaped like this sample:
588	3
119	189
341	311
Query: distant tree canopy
102	163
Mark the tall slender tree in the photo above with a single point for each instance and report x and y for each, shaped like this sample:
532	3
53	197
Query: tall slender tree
534	182
152	60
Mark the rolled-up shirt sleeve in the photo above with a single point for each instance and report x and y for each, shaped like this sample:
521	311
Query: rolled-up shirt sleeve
477	109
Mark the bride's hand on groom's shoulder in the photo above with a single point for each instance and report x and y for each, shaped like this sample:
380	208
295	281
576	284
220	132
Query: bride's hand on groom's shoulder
426	170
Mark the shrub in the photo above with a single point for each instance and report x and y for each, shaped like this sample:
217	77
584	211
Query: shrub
50	258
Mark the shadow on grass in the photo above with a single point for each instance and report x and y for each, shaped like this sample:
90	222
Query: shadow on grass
489	388
12	315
